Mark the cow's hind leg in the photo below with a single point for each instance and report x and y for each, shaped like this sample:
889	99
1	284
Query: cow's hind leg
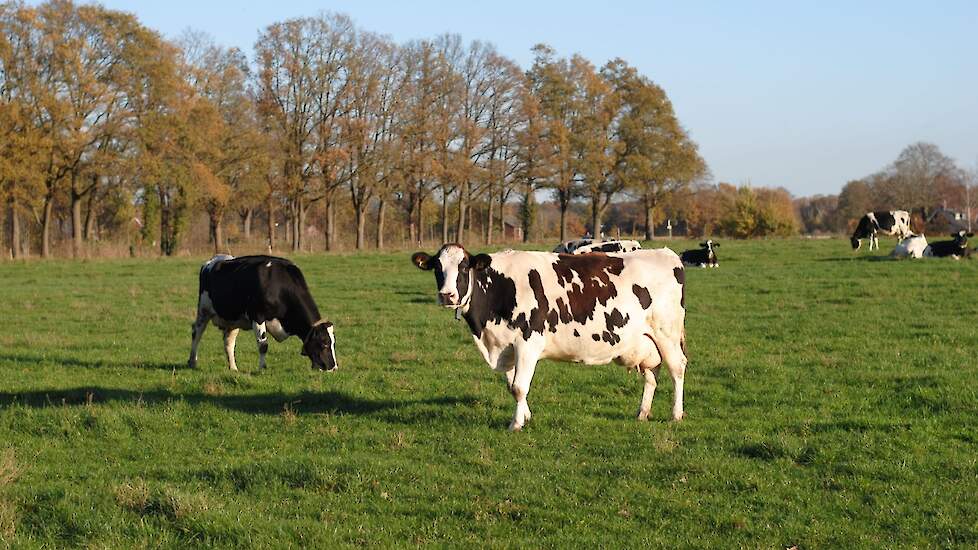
230	335
261	336
672	354
526	364
196	332
648	393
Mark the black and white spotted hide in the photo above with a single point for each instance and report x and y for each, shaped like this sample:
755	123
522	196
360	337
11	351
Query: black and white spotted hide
893	223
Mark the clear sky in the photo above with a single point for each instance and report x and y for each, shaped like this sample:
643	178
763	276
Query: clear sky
801	94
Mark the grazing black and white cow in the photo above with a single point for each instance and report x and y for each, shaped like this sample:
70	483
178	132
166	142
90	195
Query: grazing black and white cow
705	256
263	293
608	247
894	222
956	248
592	308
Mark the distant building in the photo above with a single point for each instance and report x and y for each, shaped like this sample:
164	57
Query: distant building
512	229
946	218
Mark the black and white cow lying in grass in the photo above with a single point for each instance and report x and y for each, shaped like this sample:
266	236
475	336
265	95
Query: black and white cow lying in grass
266	294
705	256
593	309
913	246
956	248
584	246
894	222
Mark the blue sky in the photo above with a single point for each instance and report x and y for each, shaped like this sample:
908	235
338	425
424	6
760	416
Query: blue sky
805	95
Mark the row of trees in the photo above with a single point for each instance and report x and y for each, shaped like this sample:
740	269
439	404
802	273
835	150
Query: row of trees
115	131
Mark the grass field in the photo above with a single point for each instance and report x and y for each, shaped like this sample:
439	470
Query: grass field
831	402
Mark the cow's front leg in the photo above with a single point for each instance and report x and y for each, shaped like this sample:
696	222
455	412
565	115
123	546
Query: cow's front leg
230	335
261	336
648	393
526	364
196	332
510	378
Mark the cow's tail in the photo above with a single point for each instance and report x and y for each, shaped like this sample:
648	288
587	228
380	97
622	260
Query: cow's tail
682	343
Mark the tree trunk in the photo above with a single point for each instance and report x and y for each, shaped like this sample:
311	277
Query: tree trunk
46	227
462	207
361	220
249	212
563	220
489	221
412	229
164	228
595	218
76	219
649	223
330	228
271	223
501	216
217	232
444	217
300	231
381	210
420	214
527	214
15	249
91	218
294	222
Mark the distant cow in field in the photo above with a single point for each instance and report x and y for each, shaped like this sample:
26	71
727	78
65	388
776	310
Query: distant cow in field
608	247
568	247
584	246
591	308
912	246
956	248
705	256
266	294
894	222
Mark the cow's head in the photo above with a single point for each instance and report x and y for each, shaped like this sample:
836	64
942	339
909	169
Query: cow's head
961	238
454	268
320	347
709	244
855	243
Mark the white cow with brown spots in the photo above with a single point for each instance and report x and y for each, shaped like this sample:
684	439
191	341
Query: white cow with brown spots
593	309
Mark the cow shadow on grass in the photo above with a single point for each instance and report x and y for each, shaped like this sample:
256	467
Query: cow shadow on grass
25	360
329	402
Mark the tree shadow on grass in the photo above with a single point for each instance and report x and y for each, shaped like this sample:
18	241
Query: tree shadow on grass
36	359
333	402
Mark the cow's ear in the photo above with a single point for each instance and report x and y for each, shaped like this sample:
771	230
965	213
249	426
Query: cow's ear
422	260
480	261
715	245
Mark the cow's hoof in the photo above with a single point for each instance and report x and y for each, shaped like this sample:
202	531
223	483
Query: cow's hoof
514	427
191	364
679	418
643	416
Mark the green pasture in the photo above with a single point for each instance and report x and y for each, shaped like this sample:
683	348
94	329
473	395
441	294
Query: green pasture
831	399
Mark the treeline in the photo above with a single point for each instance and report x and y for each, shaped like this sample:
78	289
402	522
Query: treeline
108	132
